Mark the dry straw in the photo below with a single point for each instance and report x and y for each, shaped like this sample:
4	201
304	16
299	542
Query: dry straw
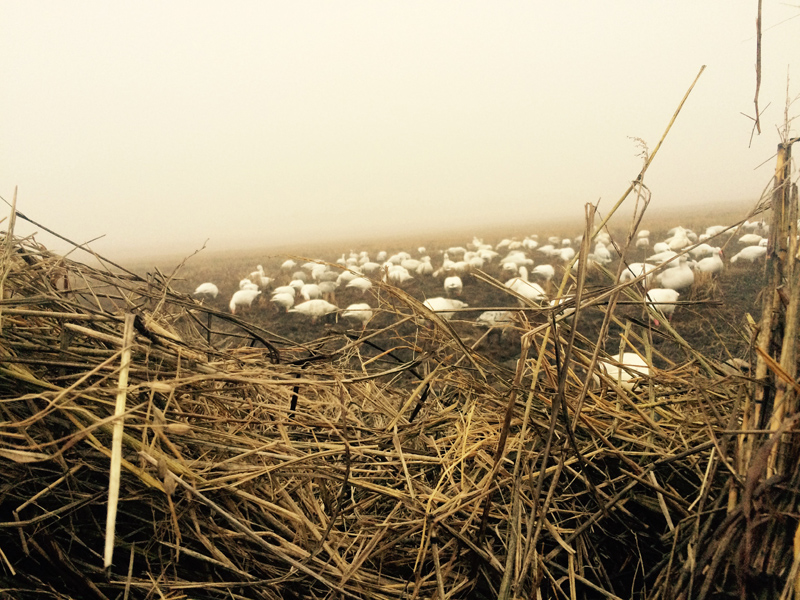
401	463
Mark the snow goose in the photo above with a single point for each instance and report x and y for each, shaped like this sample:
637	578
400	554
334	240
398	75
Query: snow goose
711	264
206	290
453	285
750	253
626	370
663	300
311	291
283	299
750	239
242	299
678	277
359	283
635	270
444	306
527	289
360	312
314	308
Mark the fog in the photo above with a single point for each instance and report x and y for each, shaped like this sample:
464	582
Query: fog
156	126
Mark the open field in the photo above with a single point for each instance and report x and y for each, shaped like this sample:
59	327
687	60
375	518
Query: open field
711	316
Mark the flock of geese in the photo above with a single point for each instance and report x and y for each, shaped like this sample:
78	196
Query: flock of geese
671	267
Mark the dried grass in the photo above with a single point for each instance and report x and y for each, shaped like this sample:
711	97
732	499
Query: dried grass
444	475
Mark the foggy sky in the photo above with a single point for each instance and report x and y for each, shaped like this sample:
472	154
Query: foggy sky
162	124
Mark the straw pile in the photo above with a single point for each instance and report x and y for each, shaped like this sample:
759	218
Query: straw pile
398	464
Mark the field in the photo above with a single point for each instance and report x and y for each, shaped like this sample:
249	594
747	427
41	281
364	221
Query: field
711	316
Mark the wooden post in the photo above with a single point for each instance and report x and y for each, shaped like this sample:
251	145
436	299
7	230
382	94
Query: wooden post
778	329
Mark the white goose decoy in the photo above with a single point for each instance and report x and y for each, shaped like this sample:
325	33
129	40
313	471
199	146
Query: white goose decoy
527	289
360	312
206	290
441	306
243	298
315	309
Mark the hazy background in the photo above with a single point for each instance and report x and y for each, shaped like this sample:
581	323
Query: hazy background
161	124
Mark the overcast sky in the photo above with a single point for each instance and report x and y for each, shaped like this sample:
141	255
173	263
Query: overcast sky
163	124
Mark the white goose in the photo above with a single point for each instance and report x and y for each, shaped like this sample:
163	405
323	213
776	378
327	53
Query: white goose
527	289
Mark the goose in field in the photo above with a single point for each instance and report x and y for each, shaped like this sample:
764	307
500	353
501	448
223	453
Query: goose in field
359	283
328	290
311	291
602	253
315	309
711	264
360	312
397	275
495	318
626	370
566	254
441	306
663	300
750	239
661	257
371	268
285	289
283	299
635	270
246	284
425	267
678	277
288	265
260	278
750	253
714	230
546	272
679	240
660	247
527	289
566	313
702	251
453	285
206	290
242	299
